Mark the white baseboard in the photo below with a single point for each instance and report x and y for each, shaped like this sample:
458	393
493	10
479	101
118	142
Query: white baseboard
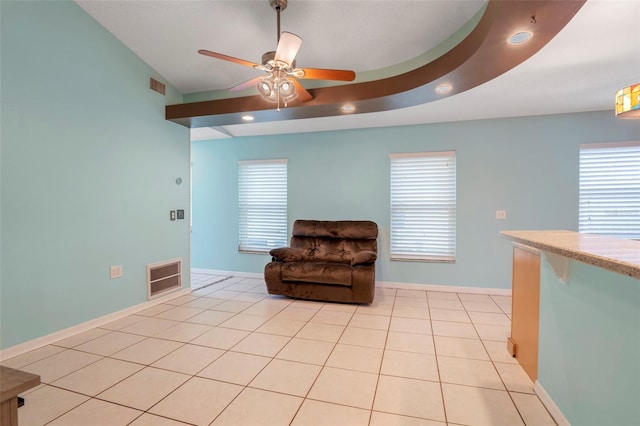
384	284
97	322
551	406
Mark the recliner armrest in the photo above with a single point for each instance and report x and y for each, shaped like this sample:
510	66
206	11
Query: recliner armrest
286	254
364	257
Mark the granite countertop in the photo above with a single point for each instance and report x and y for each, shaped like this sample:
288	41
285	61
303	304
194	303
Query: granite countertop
614	254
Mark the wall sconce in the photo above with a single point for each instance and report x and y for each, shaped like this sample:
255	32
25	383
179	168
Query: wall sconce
628	102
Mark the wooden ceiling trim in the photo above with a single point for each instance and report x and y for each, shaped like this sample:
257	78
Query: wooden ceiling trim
483	55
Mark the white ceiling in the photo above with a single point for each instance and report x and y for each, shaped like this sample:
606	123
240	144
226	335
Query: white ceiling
597	53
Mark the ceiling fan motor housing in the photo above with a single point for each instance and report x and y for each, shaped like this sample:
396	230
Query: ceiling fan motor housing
269	59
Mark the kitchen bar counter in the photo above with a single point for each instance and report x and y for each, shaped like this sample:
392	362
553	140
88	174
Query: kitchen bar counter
576	317
613	254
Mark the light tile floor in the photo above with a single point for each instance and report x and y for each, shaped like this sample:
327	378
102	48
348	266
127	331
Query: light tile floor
229	354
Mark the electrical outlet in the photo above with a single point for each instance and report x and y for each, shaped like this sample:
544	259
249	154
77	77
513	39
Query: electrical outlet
501	214
115	271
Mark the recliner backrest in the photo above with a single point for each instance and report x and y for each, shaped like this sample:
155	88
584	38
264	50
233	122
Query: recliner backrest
334	241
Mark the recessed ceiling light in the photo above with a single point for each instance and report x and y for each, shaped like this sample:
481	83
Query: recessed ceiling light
348	108
443	88
520	37
247	117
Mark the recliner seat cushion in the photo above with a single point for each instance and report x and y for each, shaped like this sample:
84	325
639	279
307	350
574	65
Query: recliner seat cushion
318	272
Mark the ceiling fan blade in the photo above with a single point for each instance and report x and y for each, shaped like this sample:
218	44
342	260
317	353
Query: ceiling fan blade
288	47
246	85
326	74
303	95
227	58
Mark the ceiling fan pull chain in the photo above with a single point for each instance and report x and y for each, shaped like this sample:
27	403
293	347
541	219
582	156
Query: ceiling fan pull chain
277	87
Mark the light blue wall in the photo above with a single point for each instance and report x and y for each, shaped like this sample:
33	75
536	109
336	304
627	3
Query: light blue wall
589	344
88	171
527	166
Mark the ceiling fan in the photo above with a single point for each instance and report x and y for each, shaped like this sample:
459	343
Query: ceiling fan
281	83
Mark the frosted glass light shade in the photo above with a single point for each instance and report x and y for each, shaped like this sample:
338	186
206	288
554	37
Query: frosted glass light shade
628	102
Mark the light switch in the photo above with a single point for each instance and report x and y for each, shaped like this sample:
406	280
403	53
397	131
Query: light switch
172	215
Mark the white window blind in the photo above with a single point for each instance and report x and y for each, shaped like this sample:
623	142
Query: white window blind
610	189
262	205
423	206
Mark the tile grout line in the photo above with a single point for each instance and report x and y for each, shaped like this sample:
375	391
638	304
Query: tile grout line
506	388
435	355
375	390
324	365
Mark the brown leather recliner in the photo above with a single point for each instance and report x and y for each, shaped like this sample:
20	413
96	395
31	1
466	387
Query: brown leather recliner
327	260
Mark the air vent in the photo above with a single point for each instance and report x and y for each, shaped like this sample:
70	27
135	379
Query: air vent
164	277
156	86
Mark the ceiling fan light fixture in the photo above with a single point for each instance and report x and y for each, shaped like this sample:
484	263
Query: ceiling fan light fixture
265	87
286	88
277	89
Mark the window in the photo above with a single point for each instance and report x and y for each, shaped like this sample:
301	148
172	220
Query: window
610	189
262	205
423	206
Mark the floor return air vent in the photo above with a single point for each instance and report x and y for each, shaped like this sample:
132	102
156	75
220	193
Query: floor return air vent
164	277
